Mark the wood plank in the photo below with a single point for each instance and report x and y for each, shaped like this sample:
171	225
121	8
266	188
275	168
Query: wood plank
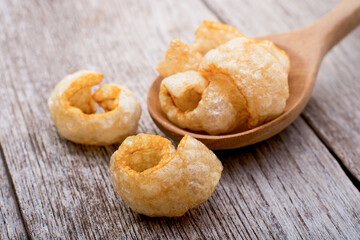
334	109
289	186
11	225
290	192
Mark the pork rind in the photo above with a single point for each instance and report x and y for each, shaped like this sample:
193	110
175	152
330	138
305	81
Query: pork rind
240	83
156	180
73	110
179	58
278	53
260	72
211	104
210	35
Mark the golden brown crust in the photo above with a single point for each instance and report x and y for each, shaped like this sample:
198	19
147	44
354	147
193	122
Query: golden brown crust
240	83
74	116
179	58
156	180
219	108
211	34
258	74
107	96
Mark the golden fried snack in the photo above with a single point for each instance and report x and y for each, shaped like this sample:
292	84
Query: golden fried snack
191	101
210	35
179	58
260	72
278	53
156	180
73	109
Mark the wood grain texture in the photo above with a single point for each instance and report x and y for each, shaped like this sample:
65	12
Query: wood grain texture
11	225
334	108
287	187
305	48
334	111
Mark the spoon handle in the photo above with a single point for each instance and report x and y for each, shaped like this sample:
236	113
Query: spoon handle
335	25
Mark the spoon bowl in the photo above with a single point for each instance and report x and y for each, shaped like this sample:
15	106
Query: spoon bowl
306	48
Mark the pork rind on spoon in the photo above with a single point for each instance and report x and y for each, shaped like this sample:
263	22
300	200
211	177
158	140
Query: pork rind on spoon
240	84
156	180
212	104
260	75
72	108
212	34
179	58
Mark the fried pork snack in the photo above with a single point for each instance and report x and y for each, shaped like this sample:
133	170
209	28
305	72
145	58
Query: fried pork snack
73	110
179	58
240	83
156	180
278	53
210	35
260	72
192	101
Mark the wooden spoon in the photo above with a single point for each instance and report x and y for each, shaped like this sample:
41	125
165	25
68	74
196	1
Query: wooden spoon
306	48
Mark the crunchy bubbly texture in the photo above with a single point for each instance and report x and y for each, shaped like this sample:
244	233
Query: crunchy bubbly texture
239	84
179	58
72	108
210	35
192	101
260	74
156	180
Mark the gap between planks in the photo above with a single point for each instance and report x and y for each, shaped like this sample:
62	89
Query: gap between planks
19	231
322	139
172	227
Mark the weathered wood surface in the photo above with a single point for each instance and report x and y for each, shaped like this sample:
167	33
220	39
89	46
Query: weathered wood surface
287	187
11	225
334	109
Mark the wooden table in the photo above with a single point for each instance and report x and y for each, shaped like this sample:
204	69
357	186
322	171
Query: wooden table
302	183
